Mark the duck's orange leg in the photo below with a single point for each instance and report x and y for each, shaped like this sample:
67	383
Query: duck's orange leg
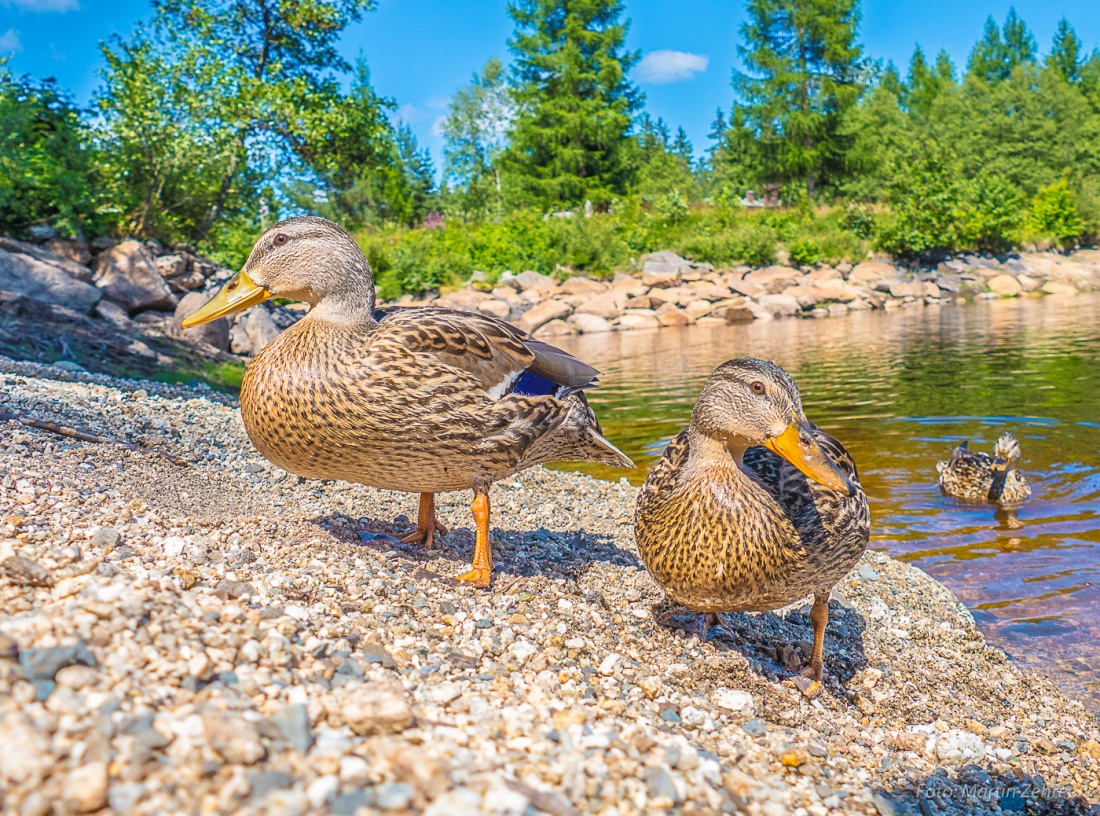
426	524
482	571
809	683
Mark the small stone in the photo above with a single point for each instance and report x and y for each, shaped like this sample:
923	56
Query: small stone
735	700
1090	748
868	573
293	722
85	788
609	664
105	537
234	738
661	786
45	663
25	572
371	710
394	795
795	758
26	750
754	728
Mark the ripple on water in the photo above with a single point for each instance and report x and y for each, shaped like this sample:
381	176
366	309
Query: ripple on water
901	390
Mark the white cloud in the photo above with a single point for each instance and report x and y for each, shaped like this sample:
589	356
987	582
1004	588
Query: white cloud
665	66
9	42
42	5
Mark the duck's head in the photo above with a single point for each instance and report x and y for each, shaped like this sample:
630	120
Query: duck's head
748	402
308	259
1006	458
1006	453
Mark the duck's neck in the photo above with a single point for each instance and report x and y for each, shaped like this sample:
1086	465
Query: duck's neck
709	452
352	308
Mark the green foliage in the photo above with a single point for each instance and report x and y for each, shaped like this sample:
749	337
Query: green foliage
574	103
1055	215
802	77
999	52
47	173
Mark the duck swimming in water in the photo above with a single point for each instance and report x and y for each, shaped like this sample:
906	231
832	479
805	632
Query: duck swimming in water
753	507
975	477
421	400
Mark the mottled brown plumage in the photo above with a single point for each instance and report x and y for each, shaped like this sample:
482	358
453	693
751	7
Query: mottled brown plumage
420	400
724	524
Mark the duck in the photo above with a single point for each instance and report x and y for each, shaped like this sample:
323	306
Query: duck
752	507
975	477
420	400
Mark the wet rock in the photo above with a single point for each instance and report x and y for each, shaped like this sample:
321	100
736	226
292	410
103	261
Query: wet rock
127	275
1059	288
1005	285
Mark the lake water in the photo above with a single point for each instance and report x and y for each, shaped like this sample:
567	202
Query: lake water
900	390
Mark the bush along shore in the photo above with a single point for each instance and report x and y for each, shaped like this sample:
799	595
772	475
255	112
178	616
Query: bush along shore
117	307
221	637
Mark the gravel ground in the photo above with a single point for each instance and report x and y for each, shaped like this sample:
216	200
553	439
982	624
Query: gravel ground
226	638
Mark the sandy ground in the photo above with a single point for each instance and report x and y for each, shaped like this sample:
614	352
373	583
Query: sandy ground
225	638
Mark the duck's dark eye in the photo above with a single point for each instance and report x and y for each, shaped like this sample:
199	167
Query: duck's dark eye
280	239
757	387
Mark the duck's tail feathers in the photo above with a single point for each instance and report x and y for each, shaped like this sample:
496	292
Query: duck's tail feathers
603	451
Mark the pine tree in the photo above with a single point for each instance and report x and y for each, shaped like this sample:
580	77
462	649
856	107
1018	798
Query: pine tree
1000	50
575	103
1065	54
923	84
803	74
682	147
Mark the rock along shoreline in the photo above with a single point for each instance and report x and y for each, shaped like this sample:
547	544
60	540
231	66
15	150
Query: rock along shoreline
224	638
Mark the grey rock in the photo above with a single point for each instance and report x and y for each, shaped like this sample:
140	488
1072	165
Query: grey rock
114	314
349	803
105	537
234	738
293	722
394	795
44	663
45	282
214	333
264	782
74	269
661	785
867	572
260	328
754	728
40	233
127	275
531	279
75	250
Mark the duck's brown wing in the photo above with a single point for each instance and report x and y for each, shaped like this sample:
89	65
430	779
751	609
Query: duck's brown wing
503	359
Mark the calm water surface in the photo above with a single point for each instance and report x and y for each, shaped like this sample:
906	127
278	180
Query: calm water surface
901	390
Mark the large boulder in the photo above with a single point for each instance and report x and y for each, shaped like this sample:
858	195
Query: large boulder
907	288
499	309
663	269
45	282
872	272
636	319
1005	285
531	280
608	306
71	249
46	255
127	275
779	305
669	315
542	313
583	286
260	328
215	333
586	323
772	275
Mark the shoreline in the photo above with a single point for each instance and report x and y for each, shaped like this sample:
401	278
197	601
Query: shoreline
252	643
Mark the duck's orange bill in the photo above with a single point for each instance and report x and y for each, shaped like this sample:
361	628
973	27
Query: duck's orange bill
799	447
240	293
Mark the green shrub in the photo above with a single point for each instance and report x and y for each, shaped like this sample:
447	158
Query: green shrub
804	252
859	219
1055	215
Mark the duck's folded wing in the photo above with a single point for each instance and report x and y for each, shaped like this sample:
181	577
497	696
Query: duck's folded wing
501	358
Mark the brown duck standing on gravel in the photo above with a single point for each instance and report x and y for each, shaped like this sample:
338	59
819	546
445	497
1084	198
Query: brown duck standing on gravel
421	400
753	507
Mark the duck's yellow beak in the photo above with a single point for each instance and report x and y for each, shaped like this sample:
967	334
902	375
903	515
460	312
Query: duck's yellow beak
799	447
240	293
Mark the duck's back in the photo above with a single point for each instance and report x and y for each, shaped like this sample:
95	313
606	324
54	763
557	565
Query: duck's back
967	474
758	540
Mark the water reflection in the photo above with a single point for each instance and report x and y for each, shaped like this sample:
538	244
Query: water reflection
901	390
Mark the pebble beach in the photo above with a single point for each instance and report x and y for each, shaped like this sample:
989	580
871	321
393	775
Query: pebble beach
222	637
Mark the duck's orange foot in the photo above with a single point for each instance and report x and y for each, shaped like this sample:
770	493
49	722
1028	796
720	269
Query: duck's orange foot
424	535
478	577
809	682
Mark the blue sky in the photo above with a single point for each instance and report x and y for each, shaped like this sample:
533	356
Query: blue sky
420	51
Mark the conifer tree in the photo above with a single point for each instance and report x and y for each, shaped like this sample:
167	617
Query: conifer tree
1065	54
802	75
575	103
1000	50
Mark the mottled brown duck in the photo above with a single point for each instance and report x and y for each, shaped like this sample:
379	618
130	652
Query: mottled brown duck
753	507
973	476
421	400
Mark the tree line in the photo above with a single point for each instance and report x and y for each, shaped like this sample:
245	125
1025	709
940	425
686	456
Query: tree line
217	115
